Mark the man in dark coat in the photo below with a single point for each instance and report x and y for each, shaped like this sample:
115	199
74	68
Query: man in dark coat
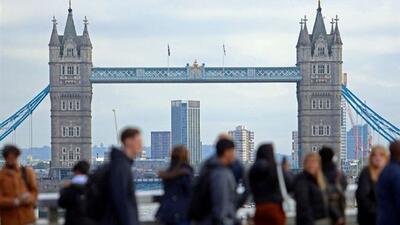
388	189
72	197
122	207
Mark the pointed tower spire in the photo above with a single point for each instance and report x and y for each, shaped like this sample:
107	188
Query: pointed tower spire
69	31
332	23
85	35
337	40
319	26
304	37
54	41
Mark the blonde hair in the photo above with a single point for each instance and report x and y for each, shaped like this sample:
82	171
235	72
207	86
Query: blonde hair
374	171
319	176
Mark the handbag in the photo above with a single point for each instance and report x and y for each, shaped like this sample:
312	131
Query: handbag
287	203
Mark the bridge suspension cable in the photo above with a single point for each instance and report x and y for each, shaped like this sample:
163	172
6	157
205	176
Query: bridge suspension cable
11	123
389	131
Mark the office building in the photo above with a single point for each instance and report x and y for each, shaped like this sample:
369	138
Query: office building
160	144
244	142
295	150
185	127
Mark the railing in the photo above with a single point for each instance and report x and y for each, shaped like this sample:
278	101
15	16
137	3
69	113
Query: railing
148	204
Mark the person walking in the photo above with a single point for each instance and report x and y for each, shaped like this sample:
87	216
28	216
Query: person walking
122	206
335	186
18	190
388	189
309	192
366	188
264	185
177	182
72	196
214	198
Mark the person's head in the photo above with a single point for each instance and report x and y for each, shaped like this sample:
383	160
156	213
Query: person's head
394	148
179	156
10	155
225	151
326	154
81	168
378	157
312	165
266	152
131	141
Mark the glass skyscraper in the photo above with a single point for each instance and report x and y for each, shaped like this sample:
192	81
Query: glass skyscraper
185	127
160	144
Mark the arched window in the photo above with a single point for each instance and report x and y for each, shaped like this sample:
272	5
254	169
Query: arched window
321	51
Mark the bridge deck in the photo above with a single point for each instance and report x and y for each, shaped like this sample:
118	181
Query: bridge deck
195	74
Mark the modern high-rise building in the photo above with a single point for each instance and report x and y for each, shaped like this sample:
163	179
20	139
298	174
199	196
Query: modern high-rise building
358	139
244	143
160	144
295	150
185	127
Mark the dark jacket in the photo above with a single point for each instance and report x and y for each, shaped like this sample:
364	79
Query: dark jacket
72	199
334	175
122	209
223	194
310	200
177	190
388	192
366	199
264	184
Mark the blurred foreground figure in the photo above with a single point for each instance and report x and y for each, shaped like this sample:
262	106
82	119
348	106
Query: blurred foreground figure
111	192
310	193
335	186
214	199
264	185
388	189
72	197
366	188
177	183
18	190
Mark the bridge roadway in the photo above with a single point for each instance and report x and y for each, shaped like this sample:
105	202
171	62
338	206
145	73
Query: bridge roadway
195	74
148	203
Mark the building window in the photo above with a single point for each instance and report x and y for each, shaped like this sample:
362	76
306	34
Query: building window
328	68
78	150
77	132
64	150
327	130
71	155
327	103
64	131
320	104
70	132
62	70
70	105
70	70
321	68
77	104
321	51
77	70
314	131
313	104
314	69
63	105
78	157
320	130
70	52
314	148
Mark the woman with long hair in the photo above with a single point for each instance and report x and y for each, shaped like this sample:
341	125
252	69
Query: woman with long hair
366	190
177	182
264	186
309	193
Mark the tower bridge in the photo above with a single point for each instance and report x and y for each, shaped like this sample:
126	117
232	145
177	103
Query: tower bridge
317	73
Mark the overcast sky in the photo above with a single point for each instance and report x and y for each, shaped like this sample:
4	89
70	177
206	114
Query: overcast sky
255	33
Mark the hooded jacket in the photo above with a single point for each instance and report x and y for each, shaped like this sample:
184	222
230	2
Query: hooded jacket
223	194
122	208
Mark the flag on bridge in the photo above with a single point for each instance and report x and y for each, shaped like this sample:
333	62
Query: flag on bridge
223	48
169	51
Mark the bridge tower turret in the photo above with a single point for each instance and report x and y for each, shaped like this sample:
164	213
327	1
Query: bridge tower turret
319	57
70	62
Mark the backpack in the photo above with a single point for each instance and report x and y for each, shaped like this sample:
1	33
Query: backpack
200	200
336	198
96	193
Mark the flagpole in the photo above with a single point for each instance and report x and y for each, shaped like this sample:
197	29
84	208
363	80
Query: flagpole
169	54
223	59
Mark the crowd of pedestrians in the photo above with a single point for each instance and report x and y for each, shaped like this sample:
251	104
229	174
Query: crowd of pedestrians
106	196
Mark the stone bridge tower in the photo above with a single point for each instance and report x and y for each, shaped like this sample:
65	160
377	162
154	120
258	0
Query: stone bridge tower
70	62
319	56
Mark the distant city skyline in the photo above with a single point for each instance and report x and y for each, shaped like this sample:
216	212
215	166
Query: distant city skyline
250	39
